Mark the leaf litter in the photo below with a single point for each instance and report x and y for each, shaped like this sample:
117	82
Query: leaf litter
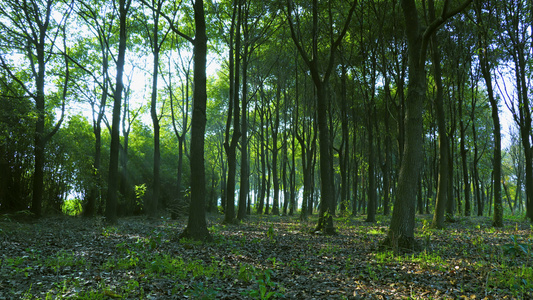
263	257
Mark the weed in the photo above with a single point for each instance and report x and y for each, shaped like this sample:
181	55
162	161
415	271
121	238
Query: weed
270	234
302	265
201	292
266	288
516	249
109	230
64	259
274	262
518	279
72	207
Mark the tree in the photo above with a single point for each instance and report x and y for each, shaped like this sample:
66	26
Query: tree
442	189
100	23
232	138
28	24
485	66
401	229
197	226
320	76
16	145
111	200
181	132
515	38
156	44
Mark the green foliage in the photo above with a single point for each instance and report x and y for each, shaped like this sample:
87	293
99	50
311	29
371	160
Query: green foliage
266	288
515	248
271	234
518	279
201	292
140	191
72	207
63	259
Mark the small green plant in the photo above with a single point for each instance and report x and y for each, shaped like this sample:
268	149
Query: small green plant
266	288
519	280
107	231
300	265
72	207
64	259
140	191
201	292
274	262
516	249
270	234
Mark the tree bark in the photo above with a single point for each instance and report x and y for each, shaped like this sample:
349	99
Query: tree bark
112	189
230	145
245	164
443	177
320	80
196	226
401	230
153	113
497	154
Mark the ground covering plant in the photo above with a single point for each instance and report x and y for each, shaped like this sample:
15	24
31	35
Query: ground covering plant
264	257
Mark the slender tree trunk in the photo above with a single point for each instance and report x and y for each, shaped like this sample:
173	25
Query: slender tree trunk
372	195
155	121
275	130
284	179
197	226
497	156
355	171
320	80
442	190
233	113
344	153
464	159
245	164
262	191
112	188
292	175
94	192
401	230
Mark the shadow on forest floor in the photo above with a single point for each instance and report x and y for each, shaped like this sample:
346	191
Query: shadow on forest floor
264	257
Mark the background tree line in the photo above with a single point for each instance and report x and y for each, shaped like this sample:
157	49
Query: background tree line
335	107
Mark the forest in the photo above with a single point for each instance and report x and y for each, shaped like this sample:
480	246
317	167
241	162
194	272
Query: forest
163	149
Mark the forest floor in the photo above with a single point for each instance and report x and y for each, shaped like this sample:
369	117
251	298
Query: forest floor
264	257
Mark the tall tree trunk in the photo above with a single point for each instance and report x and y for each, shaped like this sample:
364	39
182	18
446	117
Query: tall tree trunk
284	179
112	188
320	80
233	113
292	175
197	226
442	189
464	159
401	230
177	203
372	194
94	191
497	156
37	38
245	164
155	120
262	151
355	183
274	124
344	153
